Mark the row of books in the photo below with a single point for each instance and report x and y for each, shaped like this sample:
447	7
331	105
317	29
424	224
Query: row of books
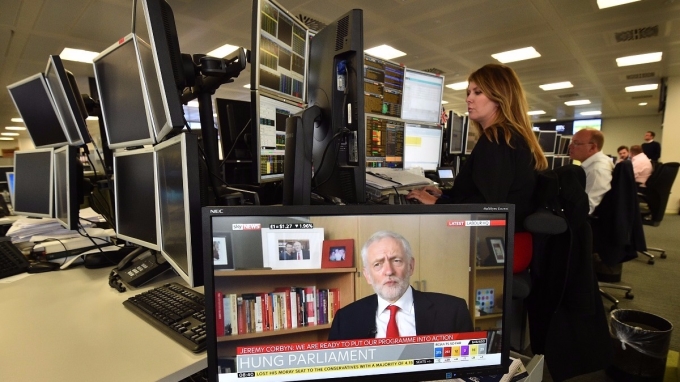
283	308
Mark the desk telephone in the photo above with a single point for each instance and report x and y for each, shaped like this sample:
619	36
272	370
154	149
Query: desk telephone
137	268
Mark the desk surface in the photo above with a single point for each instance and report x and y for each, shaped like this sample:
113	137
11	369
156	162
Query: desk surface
70	325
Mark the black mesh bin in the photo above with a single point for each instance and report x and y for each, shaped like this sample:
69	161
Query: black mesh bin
641	342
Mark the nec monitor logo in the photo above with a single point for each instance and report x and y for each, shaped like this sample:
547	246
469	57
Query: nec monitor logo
246	227
220	211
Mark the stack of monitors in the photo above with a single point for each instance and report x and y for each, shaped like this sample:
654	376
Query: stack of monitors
384	142
422	146
383	86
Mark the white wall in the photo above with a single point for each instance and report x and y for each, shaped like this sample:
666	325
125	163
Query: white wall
629	131
671	136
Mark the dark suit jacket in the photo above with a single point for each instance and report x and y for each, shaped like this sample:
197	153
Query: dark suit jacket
652	150
436	313
286	256
305	254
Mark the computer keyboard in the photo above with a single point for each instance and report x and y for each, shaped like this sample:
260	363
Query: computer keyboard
401	199
12	261
175	310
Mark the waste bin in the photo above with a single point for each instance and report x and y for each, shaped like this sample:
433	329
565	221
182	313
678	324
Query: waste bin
641	342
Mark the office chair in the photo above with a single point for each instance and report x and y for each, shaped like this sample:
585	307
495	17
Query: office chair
617	231
654	198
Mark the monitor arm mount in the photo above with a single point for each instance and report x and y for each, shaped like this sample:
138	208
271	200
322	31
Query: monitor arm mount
204	75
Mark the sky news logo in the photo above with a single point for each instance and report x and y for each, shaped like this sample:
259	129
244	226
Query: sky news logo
246	227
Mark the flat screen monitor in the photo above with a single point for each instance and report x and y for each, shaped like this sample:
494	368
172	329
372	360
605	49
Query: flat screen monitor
456	133
136	199
67	101
384	142
162	68
279	52
422	146
383	86
472	136
123	94
34	182
271	139
35	104
4	184
547	141
180	206
336	86
68	193
10	185
564	145
587	124
306	348
238	136
422	98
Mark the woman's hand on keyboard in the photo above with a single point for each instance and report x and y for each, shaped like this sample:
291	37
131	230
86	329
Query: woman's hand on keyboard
426	195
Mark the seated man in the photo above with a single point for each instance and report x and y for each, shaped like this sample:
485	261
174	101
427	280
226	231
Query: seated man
586	147
388	265
642	165
287	254
623	153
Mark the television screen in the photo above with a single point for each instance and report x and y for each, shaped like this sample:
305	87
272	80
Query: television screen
422	98
308	317
279	52
581	124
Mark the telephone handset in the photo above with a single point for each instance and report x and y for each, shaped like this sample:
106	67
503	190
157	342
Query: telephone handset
140	266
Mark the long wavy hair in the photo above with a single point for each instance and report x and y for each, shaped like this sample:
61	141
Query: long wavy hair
501	85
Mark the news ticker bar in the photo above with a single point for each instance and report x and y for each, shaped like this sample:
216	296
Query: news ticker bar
362	354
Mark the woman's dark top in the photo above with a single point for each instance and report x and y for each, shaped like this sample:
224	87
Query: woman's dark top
497	173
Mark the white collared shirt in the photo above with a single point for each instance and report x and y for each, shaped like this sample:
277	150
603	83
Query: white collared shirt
598	170
406	316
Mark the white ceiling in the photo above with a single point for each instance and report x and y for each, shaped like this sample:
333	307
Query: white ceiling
576	41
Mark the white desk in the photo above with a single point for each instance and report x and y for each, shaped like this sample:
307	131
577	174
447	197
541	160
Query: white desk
70	325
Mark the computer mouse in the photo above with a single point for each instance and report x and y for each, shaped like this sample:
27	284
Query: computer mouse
43	266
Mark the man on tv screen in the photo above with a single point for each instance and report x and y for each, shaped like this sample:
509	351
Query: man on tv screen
396	309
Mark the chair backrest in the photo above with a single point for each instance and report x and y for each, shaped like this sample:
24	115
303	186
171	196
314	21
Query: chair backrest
616	222
658	190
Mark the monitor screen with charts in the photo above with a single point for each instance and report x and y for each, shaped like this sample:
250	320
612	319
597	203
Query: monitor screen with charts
297	318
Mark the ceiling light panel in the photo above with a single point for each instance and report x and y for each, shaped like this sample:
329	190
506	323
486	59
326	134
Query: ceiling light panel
458	85
639	59
602	4
556	85
641	88
78	55
385	52
516	55
578	102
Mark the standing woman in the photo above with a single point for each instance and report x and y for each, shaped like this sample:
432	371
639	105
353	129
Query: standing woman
503	165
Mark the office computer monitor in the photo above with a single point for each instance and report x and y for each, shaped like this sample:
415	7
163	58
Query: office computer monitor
456	133
162	68
304	352
68	102
384	142
547	141
422	146
564	145
35	104
339	158
124	93
253	137
279	52
10	185
471	137
383	86
34	182
136	199
68	186
422	98
180	206
4	183
581	124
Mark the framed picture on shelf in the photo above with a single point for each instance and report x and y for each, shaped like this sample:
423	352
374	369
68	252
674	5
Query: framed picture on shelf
337	253
292	248
496	250
222	256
